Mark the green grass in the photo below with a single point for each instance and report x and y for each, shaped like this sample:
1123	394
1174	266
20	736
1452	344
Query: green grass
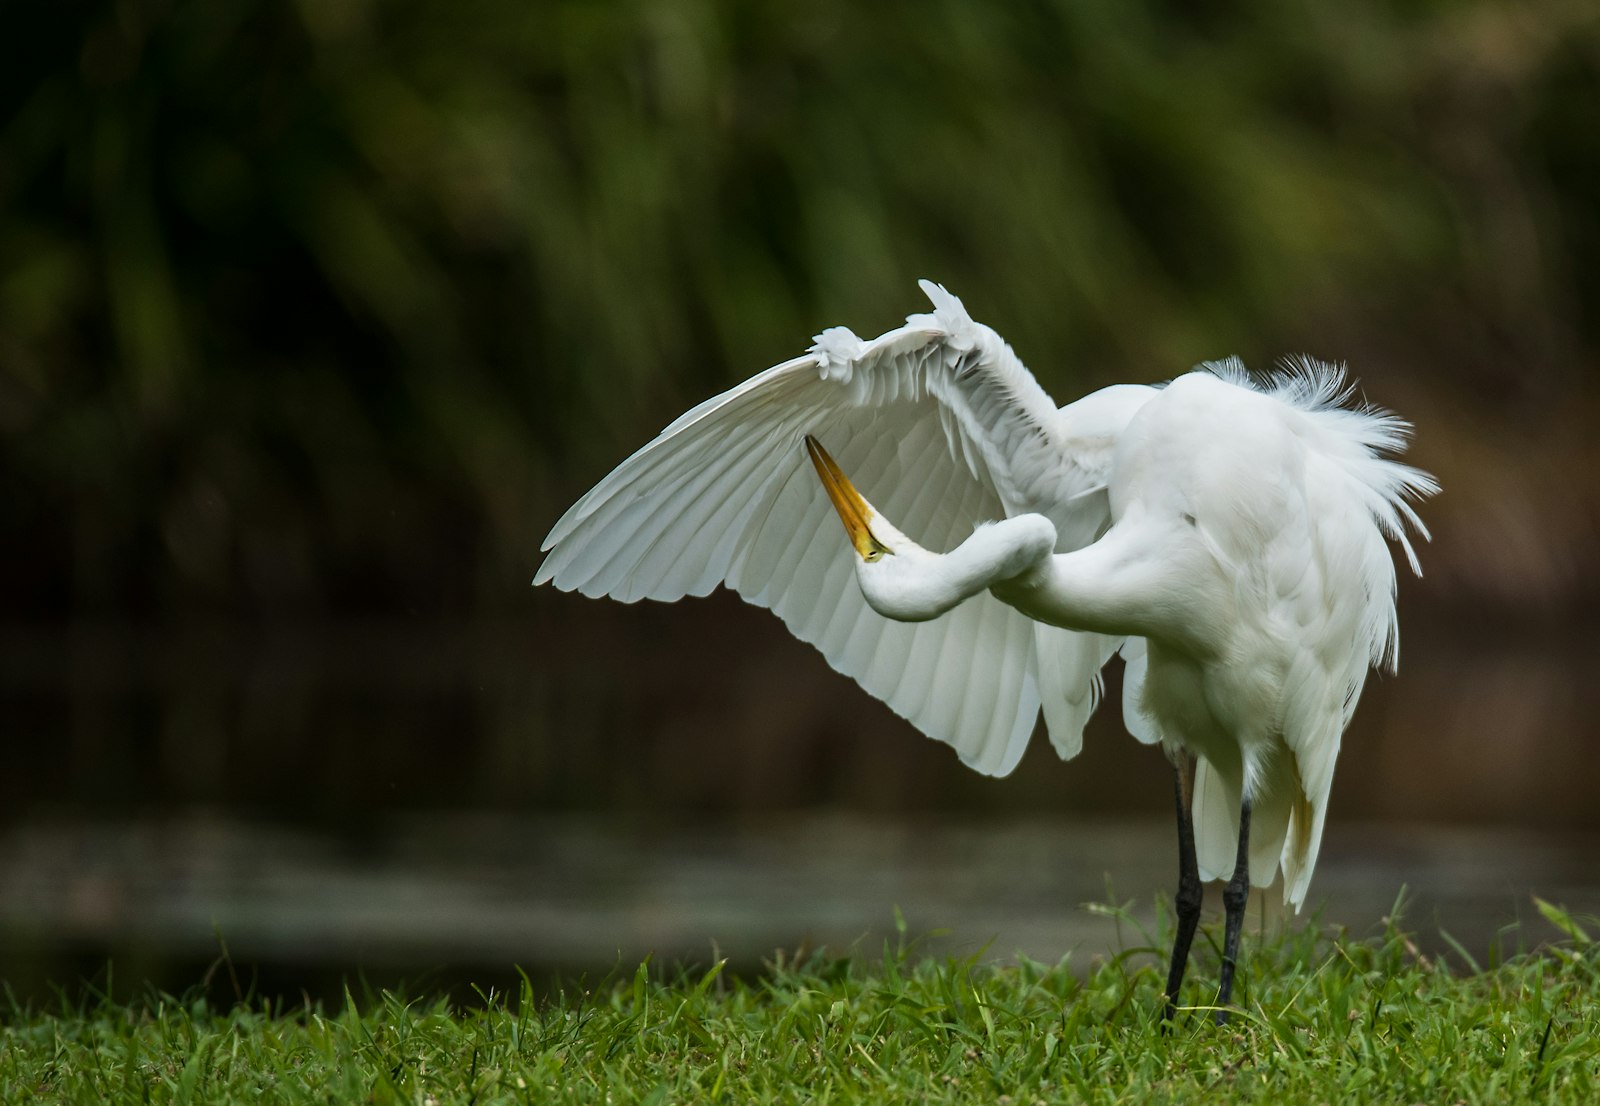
1323	1018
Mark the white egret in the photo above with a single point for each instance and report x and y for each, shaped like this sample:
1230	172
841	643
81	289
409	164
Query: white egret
1228	535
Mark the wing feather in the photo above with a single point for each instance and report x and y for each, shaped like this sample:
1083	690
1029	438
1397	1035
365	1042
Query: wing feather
691	521
939	423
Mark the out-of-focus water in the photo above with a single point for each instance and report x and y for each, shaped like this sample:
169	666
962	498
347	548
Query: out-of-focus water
435	899
297	794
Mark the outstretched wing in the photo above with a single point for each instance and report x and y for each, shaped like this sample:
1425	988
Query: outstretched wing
938	423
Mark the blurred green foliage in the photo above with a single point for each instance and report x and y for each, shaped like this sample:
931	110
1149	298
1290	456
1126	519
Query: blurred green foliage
321	307
321	312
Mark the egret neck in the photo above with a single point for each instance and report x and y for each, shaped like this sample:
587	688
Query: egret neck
1110	587
901	580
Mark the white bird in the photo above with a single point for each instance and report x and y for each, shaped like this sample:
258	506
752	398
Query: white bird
1227	535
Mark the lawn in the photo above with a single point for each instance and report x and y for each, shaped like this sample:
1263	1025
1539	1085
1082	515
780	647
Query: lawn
1323	1017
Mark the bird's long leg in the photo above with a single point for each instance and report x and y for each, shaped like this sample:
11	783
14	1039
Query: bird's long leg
1189	894
1234	897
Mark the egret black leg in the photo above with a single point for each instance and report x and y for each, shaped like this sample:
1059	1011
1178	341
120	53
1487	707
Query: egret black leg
1234	897
1187	902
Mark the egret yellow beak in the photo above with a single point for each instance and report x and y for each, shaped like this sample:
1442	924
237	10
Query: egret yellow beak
854	511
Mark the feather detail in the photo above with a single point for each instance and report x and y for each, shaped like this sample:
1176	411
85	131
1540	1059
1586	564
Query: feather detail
943	427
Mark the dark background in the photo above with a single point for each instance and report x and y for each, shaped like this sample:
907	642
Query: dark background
315	316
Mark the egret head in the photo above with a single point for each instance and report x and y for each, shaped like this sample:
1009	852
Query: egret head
900	579
858	516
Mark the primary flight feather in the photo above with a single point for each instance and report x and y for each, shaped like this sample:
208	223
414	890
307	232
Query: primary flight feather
1230	535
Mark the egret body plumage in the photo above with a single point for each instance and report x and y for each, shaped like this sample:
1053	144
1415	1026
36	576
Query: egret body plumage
1229	535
